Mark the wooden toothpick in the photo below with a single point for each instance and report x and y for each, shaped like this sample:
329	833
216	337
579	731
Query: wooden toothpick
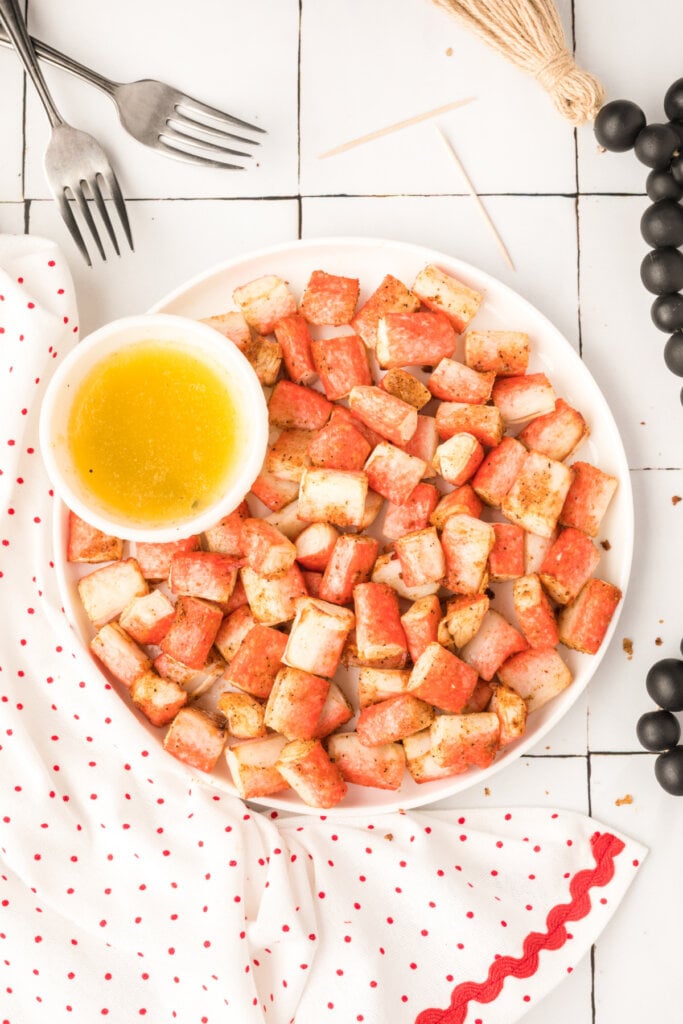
362	139
480	206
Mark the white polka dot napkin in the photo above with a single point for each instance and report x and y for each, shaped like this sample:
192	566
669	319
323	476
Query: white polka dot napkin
129	893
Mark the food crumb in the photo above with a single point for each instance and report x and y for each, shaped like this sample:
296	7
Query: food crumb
675	499
487	791
627	645
449	51
628	799
658	641
389	836
605	544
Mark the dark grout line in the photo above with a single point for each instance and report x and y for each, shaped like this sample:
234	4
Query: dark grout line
367	195
27	215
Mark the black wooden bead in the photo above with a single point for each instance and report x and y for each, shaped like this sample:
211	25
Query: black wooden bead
673	354
676	169
662	270
618	124
669	771
655	145
667	312
673	101
661	185
662	224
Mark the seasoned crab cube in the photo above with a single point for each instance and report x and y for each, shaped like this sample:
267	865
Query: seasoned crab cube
203	574
257	661
534	612
288	456
495	642
295	703
382	767
480	699
341	363
406	386
265	356
505	353
392	473
339	445
537	675
148	618
393	719
333	496
466	543
440	291
273	599
243	715
253	769
378	684
308	770
584	623
461	501
294	339
273	491
390	417
568	564
556	434
226	536
193	631
264	301
287	521
413	339
421	557
119	653
498	471
424	442
85	543
232	326
391	296
464	616
413	514
295	407
588	498
317	637
351	562
511	710
312	581
535	550
484	421
108	590
379	634
442	679
340	414
336	711
388	571
452	381
266	550
420	760
463	741
195	739
458	458
522	398
154	559
536	498
373	506
506	558
314	546
329	299
158	699
233	630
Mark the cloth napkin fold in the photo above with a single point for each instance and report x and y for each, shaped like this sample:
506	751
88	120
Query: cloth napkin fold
129	891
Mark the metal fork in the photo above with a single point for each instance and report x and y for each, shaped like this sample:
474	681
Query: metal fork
74	161
161	117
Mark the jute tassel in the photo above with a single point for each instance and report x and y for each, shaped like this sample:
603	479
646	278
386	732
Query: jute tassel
529	33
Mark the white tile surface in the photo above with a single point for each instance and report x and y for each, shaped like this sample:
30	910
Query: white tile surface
532	782
11	112
12	218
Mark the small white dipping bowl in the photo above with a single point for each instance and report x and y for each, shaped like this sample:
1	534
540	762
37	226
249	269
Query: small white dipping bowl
198	340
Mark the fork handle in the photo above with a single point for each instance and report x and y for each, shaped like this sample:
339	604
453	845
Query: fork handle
12	19
61	60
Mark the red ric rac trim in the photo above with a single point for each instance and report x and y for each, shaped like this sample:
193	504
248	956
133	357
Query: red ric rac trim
605	847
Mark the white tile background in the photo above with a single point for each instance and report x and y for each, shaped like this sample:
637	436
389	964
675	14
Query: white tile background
315	73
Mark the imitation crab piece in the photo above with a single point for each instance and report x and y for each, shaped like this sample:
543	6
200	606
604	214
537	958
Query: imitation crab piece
351	562
256	663
452	381
588	499
393	719
264	301
317	637
288	456
537	675
421	624
339	445
584	623
294	339
204	574
505	353
273	599
265	356
243	715
266	550
374	503
85	543
192	632
443	292
413	514
148	618
391	296
295	703
535	550
329	299
378	684
273	491
314	546
461	501
340	414
466	543
107	591
420	760
463	741
511	710
494	643
252	767
536	498
522	398
341	363
120	654
386	415
424	442
480	699
442	679
287	521
484	421
506	558
463	618
336	711
311	774
382	767
534	612
225	537
333	496
556	434
232	326
458	458
154	559
379	634
295	407
498	471
406	386
568	564
233	630
195	739
421	557
413	339
158	699
393	473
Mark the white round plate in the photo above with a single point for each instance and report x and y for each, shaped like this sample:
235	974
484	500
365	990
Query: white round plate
370	260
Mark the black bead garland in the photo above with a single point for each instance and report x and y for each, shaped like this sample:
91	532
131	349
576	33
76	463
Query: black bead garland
660	731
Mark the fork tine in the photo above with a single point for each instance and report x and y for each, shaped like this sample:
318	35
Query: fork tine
174	129
195	107
186	121
96	193
70	221
115	193
201	152
167	143
77	192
